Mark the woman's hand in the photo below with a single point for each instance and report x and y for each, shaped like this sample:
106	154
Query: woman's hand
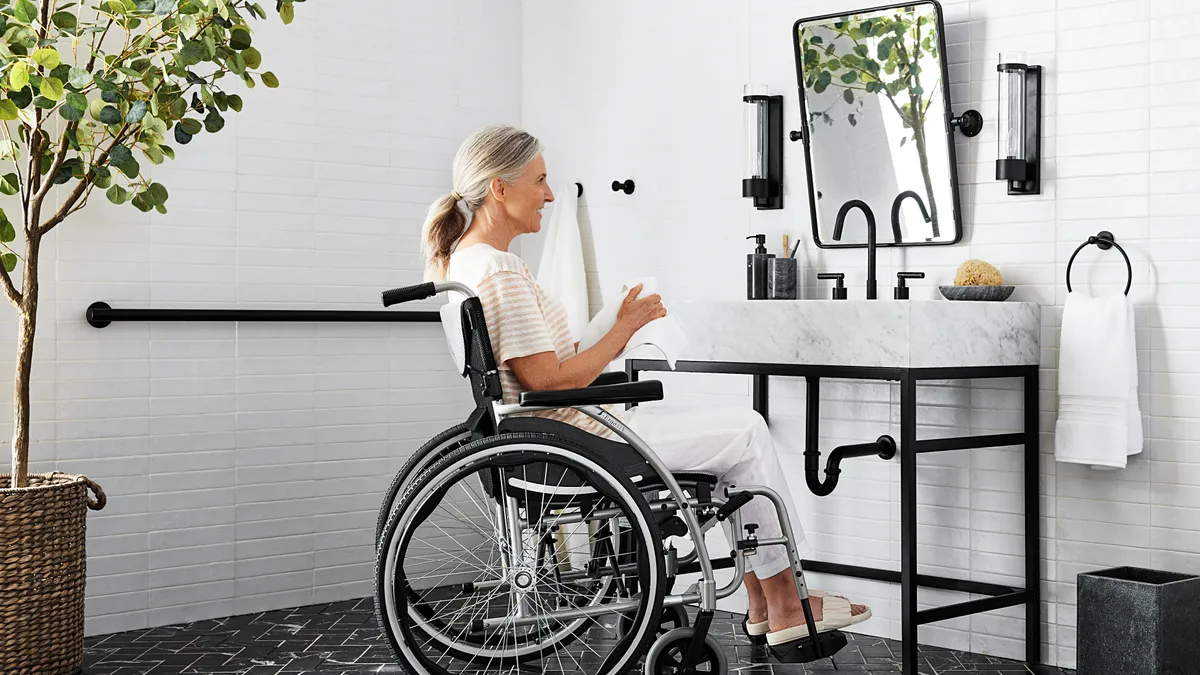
637	312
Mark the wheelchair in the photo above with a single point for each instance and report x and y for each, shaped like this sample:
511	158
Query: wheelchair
515	543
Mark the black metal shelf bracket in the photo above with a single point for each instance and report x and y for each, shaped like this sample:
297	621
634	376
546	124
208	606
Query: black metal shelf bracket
100	314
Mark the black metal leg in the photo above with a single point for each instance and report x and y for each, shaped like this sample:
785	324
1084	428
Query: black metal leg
759	387
1033	581
632	373
908	522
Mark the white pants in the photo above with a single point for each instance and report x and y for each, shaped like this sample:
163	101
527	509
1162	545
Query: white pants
735	445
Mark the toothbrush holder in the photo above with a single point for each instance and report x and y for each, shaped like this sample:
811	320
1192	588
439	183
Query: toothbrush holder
781	279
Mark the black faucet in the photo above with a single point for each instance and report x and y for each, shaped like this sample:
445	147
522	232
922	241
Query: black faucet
837	235
896	213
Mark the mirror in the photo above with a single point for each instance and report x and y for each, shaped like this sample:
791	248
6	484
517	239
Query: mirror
877	117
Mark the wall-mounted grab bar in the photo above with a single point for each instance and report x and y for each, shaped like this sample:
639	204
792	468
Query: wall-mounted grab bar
100	314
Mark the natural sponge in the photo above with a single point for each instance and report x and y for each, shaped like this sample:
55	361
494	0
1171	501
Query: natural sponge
976	272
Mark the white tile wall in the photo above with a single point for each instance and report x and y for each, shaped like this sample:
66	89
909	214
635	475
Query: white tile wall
652	91
245	464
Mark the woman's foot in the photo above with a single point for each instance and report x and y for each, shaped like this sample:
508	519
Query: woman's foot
793	615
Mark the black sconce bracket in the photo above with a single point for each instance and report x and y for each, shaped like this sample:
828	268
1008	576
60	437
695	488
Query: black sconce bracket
970	123
626	187
1025	177
767	192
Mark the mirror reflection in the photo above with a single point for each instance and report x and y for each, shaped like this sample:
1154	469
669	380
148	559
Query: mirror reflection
876	113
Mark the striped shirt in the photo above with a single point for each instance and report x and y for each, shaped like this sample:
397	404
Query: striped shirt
522	320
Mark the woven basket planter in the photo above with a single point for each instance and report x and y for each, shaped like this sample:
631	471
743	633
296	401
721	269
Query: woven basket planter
43	572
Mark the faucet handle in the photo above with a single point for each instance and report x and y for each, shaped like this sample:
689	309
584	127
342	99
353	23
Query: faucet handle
839	291
901	291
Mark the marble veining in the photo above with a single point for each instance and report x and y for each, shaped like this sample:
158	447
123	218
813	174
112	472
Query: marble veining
879	333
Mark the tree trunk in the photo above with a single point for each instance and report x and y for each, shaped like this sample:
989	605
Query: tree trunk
923	154
26	326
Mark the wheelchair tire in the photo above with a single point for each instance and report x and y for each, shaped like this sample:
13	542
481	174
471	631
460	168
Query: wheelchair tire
422	458
666	655
408	637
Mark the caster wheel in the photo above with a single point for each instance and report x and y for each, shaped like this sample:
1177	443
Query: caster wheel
666	655
672	618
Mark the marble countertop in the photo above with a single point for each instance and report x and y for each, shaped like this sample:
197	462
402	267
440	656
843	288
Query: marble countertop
869	333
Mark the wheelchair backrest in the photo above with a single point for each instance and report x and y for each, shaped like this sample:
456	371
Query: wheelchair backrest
471	349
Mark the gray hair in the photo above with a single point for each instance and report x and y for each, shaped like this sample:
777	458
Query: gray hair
498	151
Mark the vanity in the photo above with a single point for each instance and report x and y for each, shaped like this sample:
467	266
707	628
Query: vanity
908	342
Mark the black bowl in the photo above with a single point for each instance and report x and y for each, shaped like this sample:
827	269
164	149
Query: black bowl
977	293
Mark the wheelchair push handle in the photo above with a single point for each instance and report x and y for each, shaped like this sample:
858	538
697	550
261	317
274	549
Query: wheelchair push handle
428	289
396	296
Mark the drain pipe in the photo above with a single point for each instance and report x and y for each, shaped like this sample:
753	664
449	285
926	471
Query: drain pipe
884	446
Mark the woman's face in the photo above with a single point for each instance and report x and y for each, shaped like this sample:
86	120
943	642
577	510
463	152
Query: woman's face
524	199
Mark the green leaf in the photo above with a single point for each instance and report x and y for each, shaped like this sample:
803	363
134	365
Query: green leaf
235	102
137	111
78	77
214	122
154	125
10	184
26	11
182	137
141	203
52	88
109	115
10	261
253	57
70	113
8	110
191	126
192	53
153	154
131	169
269	79
65	20
43	103
7	233
165	7
21	98
848	96
287	12
76	100
852	120
239	39
189	25
850	77
113	96
47	57
119	155
117	194
167	151
18	75
157	193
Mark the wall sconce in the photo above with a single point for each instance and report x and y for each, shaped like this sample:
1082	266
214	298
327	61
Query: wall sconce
1019	125
764	148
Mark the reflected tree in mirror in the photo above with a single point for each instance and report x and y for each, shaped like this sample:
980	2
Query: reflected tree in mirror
880	55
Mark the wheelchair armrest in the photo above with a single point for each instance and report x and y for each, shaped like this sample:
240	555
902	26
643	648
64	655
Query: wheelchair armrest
628	392
615	377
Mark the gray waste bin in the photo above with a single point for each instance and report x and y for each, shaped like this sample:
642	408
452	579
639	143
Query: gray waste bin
1135	621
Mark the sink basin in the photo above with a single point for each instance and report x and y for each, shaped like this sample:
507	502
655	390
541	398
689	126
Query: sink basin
868	333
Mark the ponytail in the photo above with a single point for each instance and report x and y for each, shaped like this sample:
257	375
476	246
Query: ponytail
498	151
444	225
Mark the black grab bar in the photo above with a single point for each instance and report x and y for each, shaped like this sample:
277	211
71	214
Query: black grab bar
100	314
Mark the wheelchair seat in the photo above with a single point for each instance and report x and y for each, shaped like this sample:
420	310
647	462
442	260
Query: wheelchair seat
620	453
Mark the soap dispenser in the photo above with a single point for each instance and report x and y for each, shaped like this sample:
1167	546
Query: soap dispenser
756	269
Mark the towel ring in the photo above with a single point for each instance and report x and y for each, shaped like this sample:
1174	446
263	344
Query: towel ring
579	192
1104	241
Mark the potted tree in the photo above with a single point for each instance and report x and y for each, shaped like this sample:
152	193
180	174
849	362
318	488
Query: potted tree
92	94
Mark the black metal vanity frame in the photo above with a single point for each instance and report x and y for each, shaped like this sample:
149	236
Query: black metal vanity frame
999	596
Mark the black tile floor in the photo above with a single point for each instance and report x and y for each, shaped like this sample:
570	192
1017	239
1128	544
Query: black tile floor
343	638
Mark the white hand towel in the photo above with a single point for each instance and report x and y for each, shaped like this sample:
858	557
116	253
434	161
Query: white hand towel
1134	416
1096	358
663	335
561	271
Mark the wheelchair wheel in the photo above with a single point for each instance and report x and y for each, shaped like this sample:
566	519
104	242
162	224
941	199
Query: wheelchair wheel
422	458
666	655
472	572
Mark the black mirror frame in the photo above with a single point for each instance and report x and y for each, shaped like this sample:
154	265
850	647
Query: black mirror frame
948	116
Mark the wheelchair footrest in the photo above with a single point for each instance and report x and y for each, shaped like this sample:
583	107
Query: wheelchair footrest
808	649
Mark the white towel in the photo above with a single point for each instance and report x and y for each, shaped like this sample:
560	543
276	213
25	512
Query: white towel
561	271
1099	422
663	335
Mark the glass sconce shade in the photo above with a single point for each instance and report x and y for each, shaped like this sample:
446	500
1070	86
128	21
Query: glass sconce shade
1018	131
1011	118
763	177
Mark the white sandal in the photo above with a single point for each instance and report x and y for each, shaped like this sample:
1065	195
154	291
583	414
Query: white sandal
854	618
835	615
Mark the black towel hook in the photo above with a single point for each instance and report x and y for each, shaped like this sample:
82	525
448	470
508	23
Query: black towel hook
1104	241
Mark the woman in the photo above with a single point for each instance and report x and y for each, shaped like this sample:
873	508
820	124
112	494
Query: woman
499	191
